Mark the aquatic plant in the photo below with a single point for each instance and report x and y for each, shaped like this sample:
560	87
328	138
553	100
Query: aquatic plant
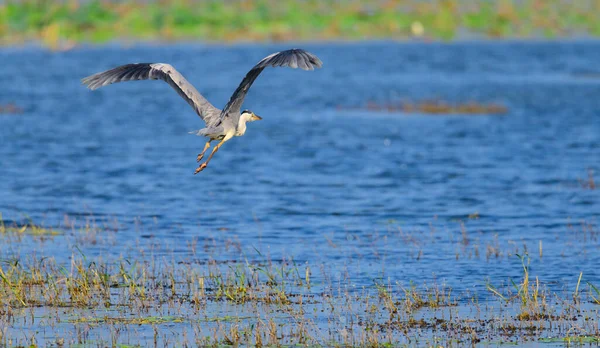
588	183
532	298
10	108
26	228
164	299
438	107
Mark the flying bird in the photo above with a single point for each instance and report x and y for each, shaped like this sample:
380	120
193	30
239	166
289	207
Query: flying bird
221	125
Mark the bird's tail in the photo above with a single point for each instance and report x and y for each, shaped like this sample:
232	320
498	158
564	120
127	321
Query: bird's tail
199	132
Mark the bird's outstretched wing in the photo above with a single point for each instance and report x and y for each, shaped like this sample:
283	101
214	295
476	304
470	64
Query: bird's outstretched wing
155	71
294	58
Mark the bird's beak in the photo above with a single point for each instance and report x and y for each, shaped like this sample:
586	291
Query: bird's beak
255	117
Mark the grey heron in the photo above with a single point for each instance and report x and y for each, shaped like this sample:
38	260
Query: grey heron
222	124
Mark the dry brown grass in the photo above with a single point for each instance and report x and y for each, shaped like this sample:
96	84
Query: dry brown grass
439	107
10	108
589	183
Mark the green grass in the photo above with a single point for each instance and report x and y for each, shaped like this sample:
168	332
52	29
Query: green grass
62	24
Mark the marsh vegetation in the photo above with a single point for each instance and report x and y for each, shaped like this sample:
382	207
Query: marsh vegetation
436	107
161	298
61	24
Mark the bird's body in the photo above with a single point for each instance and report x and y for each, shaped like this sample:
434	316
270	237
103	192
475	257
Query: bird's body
221	125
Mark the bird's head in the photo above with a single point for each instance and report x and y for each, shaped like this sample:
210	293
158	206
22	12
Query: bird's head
249	116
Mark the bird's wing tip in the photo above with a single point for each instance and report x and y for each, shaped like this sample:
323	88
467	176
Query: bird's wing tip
87	83
318	62
315	65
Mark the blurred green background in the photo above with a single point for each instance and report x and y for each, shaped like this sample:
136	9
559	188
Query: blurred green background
68	22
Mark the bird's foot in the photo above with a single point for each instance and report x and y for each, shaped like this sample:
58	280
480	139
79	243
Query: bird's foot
200	156
200	168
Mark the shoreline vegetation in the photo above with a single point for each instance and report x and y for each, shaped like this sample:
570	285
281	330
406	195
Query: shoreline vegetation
64	24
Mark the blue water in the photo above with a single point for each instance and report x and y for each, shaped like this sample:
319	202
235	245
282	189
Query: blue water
371	195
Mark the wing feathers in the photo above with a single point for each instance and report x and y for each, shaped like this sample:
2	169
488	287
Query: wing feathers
294	58
155	71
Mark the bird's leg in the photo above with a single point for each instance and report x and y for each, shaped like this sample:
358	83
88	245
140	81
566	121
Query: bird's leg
200	155
203	165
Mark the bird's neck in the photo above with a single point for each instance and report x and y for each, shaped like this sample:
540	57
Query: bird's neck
241	127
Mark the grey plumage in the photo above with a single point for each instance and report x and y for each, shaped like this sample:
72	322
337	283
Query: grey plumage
155	71
293	58
220	124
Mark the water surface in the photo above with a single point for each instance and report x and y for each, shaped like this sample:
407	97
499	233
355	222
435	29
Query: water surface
371	196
